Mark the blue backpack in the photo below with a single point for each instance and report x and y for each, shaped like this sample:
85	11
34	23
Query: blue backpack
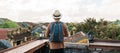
56	32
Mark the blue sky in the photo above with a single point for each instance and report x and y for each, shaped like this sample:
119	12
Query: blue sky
71	10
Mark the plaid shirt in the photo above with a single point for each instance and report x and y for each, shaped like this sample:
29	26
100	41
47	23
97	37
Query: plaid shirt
54	45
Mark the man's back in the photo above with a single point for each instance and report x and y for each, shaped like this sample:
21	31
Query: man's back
57	45
56	33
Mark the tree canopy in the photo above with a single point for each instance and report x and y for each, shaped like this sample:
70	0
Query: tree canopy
8	24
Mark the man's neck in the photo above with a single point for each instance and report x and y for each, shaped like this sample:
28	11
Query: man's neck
57	21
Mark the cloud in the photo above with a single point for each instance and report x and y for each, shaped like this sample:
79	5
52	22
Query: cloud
72	10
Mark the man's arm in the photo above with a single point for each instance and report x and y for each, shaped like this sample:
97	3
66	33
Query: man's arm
47	30
65	28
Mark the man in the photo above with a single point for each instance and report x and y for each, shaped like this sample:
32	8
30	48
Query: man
56	31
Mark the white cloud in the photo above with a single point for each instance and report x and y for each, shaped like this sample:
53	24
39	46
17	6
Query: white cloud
72	10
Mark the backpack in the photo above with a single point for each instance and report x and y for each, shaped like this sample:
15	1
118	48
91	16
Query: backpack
56	32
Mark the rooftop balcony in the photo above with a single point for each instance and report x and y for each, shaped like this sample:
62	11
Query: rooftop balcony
42	46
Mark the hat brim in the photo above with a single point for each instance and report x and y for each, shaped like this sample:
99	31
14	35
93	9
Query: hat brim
56	15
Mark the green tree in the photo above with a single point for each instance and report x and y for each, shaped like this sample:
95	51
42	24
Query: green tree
9	24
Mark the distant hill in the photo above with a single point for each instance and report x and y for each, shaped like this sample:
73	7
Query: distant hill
6	23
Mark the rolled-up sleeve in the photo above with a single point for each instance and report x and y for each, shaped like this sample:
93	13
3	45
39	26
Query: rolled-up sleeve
65	28
47	30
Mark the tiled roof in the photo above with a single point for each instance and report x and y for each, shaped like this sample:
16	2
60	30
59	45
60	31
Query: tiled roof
3	34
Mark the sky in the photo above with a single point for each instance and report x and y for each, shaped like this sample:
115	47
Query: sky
71	10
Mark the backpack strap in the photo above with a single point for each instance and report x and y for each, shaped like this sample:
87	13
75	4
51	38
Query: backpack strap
53	29
60	23
62	27
59	30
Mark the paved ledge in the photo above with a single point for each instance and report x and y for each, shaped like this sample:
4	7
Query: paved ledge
105	44
27	47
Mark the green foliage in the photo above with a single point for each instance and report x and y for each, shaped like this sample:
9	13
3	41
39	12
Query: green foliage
9	24
117	22
70	26
118	37
37	34
88	25
101	29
